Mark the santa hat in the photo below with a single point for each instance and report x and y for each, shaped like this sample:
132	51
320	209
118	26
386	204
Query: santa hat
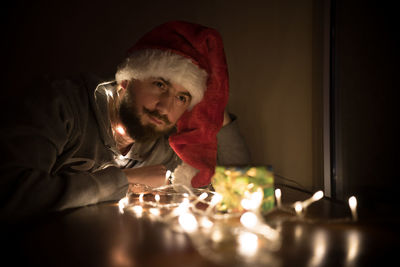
193	56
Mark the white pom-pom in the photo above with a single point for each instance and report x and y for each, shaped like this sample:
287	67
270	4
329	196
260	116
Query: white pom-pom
183	174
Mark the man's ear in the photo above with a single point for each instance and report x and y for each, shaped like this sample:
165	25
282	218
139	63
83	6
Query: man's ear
124	84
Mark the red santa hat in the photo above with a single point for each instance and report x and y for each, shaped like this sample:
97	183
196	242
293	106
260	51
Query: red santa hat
193	56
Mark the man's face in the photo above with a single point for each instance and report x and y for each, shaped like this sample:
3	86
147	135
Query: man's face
150	108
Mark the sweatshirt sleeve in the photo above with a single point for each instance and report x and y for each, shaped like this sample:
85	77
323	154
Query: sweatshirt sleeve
232	148
39	127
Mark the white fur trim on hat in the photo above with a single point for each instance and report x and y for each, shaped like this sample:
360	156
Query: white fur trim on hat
175	68
183	174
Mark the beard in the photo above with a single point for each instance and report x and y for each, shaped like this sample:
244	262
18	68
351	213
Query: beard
129	116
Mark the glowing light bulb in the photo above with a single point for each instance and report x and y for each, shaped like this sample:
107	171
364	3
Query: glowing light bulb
352	202
257	197
155	211
353	207
252	201
182	208
203	196
185	202
120	130
157	198
188	222
249	219
216	199
206	223
318	195
122	203
138	210
167	175
109	93
246	204
141	198
298	207
121	157
278	195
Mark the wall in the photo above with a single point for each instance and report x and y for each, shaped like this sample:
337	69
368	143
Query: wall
269	46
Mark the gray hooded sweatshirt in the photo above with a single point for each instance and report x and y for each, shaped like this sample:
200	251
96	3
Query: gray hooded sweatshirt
58	150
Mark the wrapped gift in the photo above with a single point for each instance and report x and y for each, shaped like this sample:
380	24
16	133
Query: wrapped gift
244	188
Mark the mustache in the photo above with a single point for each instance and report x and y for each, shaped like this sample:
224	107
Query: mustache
156	114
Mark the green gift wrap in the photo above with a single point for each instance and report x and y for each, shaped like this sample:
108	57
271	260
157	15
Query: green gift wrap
235	183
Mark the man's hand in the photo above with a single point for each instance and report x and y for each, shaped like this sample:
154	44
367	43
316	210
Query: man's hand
153	176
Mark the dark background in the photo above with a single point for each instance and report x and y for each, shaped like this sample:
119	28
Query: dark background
68	37
366	109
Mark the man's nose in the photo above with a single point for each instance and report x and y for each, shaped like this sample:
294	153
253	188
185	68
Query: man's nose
165	102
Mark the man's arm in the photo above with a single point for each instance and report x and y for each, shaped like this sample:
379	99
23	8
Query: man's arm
152	175
37	136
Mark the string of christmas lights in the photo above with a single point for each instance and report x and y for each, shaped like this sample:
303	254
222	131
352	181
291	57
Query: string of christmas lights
216	234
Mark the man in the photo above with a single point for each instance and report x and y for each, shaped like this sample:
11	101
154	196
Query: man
66	145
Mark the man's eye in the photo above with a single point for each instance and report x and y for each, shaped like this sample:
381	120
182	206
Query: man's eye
159	84
182	98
